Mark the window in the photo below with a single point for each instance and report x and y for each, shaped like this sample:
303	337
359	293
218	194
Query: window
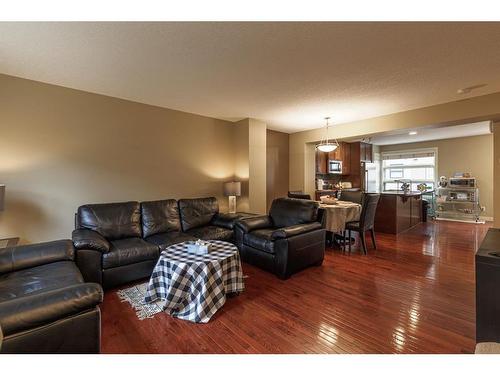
419	166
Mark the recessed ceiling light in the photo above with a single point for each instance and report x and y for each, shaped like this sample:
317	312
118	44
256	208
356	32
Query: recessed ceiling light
412	133
467	90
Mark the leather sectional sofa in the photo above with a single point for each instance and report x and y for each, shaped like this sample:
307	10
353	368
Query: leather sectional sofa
117	243
45	305
287	240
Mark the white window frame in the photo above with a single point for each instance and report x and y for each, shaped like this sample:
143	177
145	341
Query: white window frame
434	150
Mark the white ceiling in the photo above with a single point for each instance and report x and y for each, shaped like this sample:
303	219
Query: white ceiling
289	75
432	134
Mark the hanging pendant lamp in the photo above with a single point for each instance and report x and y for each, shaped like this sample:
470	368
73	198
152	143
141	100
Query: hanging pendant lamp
326	145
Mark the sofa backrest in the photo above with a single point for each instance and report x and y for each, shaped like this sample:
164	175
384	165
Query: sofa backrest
286	212
197	212
160	217
112	220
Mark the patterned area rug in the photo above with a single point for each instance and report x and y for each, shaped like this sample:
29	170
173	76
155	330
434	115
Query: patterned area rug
135	296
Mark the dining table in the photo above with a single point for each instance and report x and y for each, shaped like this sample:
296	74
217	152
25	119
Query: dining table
335	216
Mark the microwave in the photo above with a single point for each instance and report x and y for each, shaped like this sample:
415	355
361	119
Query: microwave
335	166
467	182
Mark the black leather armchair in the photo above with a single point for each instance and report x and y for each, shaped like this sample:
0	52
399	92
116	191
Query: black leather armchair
45	305
109	246
287	240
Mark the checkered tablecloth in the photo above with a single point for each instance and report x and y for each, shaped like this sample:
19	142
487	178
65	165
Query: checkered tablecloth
193	286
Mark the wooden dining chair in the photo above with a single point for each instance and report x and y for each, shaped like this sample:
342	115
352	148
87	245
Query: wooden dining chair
366	221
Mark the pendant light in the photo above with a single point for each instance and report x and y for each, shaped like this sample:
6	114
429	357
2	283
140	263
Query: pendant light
326	145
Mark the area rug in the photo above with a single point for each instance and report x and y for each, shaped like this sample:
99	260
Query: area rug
135	296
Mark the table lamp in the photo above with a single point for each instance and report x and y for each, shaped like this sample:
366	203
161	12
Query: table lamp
232	190
2	197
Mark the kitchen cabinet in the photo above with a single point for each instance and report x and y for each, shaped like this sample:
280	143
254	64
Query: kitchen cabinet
365	151
397	212
321	162
368	152
416	211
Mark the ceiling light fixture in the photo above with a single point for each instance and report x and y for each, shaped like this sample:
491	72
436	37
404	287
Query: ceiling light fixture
412	133
326	145
467	90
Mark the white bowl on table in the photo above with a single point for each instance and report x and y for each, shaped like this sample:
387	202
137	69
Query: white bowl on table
326	199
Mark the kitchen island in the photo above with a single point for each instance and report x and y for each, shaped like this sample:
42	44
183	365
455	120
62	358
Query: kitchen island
397	211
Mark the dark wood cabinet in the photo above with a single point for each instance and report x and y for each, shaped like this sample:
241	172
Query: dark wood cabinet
334	155
321	162
365	151
345	156
416	211
398	212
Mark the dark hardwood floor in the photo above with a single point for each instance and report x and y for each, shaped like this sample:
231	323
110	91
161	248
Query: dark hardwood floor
415	294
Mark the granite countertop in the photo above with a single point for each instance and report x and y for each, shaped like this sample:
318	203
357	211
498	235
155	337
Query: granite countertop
409	194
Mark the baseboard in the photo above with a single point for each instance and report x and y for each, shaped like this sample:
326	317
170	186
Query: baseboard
486	218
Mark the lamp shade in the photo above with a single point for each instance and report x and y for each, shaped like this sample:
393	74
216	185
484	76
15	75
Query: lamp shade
2	197
232	189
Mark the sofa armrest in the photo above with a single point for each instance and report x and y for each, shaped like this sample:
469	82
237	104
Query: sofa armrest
89	239
21	257
31	311
225	220
295	230
249	224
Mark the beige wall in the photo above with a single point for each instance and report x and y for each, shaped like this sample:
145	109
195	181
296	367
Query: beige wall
250	169
468	154
277	165
486	107
496	173
242	167
60	148
257	162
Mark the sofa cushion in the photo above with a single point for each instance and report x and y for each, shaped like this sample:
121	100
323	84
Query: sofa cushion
260	239
39	279
128	251
211	232
164	240
34	310
112	220
159	217
197	212
286	212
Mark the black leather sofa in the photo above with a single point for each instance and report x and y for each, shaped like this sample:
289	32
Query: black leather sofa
45	305
287	240
118	243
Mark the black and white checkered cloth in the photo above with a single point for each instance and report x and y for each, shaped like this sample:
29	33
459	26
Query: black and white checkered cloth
194	286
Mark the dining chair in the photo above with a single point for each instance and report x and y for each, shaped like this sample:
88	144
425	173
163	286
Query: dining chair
351	196
366	221
298	195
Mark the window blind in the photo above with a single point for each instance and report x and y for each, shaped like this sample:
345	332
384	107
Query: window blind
408	155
